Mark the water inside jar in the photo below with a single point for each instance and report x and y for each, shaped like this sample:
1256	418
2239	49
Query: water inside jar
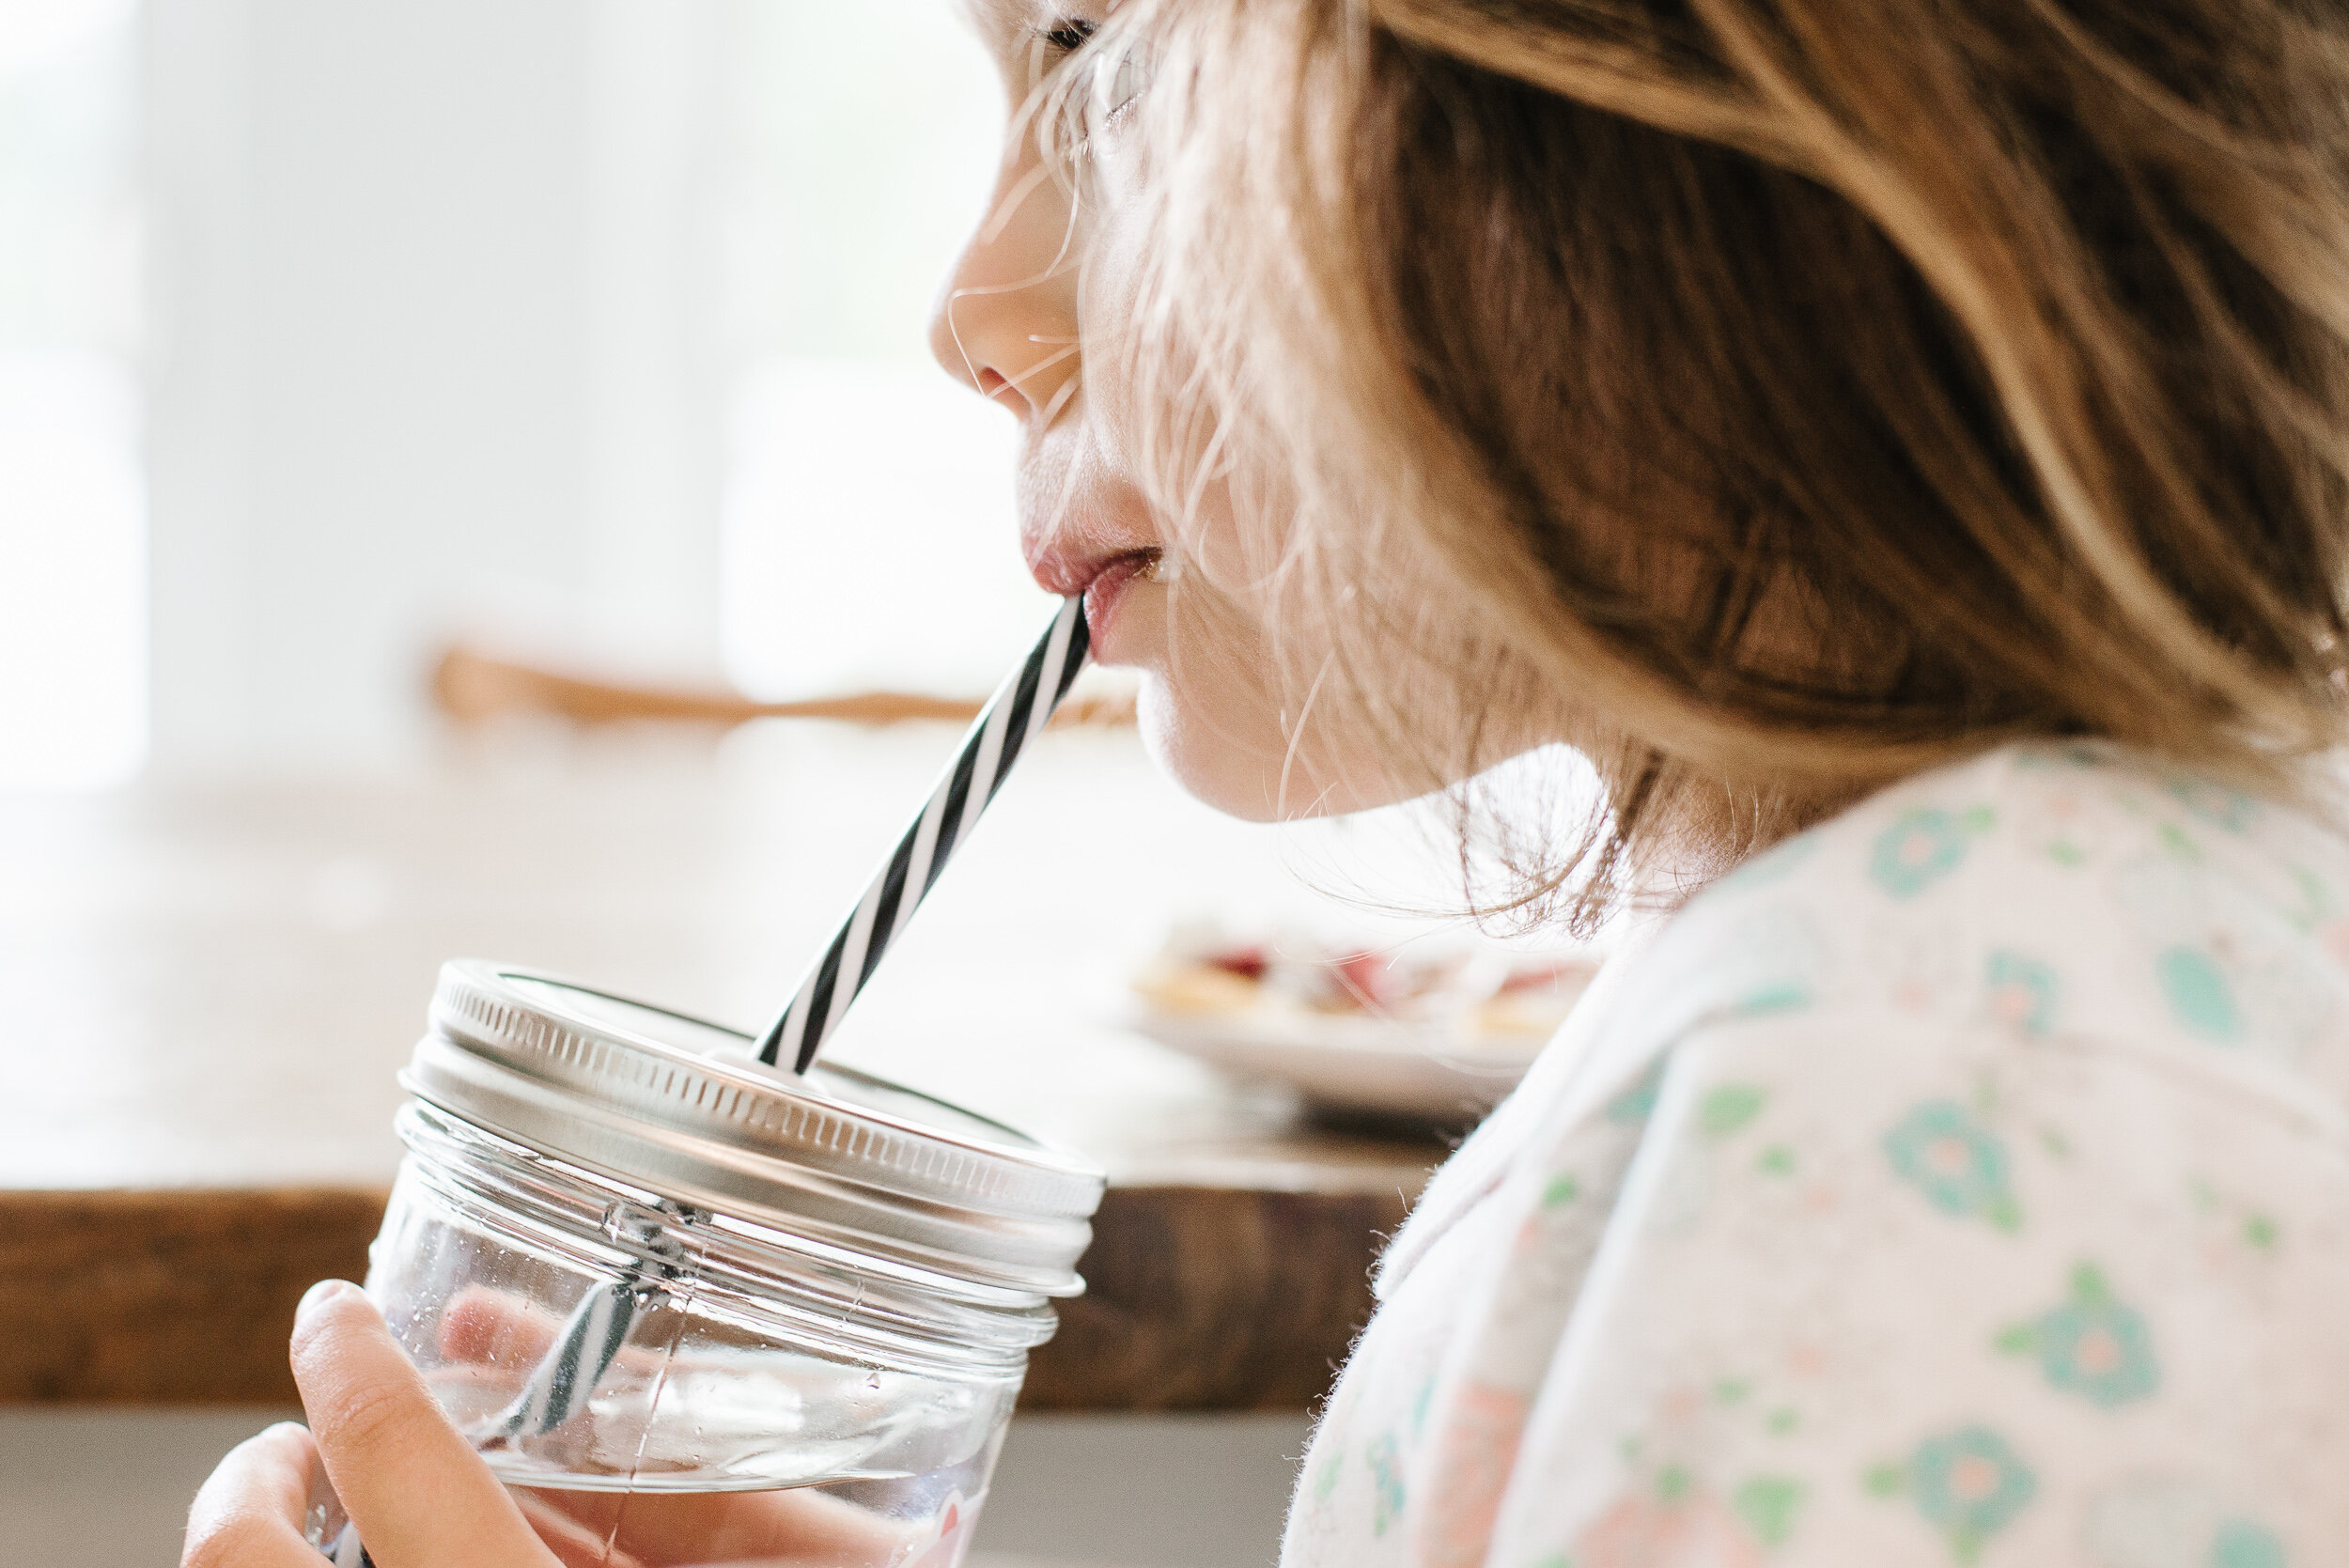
911	1522
720	1420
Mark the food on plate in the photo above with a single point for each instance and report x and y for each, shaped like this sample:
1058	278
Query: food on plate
1460	996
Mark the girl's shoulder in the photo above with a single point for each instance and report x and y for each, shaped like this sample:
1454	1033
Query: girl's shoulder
2040	890
2071	898
2071	809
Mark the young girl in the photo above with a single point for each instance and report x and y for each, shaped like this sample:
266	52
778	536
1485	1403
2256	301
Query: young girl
1903	444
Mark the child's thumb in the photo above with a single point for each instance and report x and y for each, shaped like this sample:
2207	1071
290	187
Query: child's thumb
421	1497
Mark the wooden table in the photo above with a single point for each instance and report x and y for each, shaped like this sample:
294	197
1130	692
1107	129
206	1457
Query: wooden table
210	988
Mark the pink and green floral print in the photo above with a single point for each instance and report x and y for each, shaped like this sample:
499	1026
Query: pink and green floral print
2091	1345
1959	1165
1967	1485
1963	1183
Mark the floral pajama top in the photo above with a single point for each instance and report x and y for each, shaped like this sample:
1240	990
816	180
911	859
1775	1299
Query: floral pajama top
1964	1181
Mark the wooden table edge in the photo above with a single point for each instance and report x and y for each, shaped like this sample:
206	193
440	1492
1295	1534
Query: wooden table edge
1199	1296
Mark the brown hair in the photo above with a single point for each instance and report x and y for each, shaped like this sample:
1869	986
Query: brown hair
1815	390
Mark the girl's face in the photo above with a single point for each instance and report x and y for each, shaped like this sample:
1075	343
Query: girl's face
1030	318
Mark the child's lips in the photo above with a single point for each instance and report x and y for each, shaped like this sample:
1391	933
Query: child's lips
1102	577
1107	591
1059	569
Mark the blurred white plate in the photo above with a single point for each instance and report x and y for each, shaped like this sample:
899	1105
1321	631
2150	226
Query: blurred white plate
1420	1030
1376	1066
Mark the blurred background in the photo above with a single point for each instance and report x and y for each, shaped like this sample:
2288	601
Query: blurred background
584	338
327	335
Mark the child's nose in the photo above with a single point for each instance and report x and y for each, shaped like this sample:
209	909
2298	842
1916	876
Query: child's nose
1005	323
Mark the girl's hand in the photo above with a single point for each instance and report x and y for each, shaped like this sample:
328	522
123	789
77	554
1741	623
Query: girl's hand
421	1496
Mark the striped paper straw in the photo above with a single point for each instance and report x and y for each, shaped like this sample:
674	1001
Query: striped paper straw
1011	718
582	1353
590	1342
591	1339
564	1379
345	1550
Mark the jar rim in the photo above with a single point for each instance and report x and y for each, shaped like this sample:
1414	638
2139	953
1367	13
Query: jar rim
529	1201
680	1106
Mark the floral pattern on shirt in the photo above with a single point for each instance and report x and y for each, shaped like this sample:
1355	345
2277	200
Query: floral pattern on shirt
1963	1182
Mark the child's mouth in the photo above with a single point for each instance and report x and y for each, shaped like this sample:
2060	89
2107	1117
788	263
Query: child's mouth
1107	591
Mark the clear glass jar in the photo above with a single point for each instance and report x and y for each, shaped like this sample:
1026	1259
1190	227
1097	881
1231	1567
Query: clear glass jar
629	1261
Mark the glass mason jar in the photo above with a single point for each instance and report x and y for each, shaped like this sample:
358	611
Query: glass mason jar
629	1261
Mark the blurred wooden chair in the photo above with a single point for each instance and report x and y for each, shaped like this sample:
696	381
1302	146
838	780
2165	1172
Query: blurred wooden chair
471	686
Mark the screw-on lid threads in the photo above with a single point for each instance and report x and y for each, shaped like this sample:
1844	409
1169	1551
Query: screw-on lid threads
681	1107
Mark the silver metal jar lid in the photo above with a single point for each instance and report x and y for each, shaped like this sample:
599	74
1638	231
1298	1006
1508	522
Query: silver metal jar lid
682	1108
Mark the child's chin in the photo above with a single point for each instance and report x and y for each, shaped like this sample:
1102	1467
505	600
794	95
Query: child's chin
1230	754
1218	758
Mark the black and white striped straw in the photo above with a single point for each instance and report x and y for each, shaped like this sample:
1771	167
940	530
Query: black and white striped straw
567	1376
590	1341
565	1379
1011	718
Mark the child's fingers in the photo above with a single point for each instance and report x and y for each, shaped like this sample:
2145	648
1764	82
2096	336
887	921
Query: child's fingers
248	1515
482	1325
496	1327
421	1497
494	1330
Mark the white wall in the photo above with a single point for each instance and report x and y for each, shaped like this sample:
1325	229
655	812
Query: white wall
430	314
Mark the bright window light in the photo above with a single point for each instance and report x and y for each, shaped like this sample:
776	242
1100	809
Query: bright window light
37	35
73	574
73	515
869	533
